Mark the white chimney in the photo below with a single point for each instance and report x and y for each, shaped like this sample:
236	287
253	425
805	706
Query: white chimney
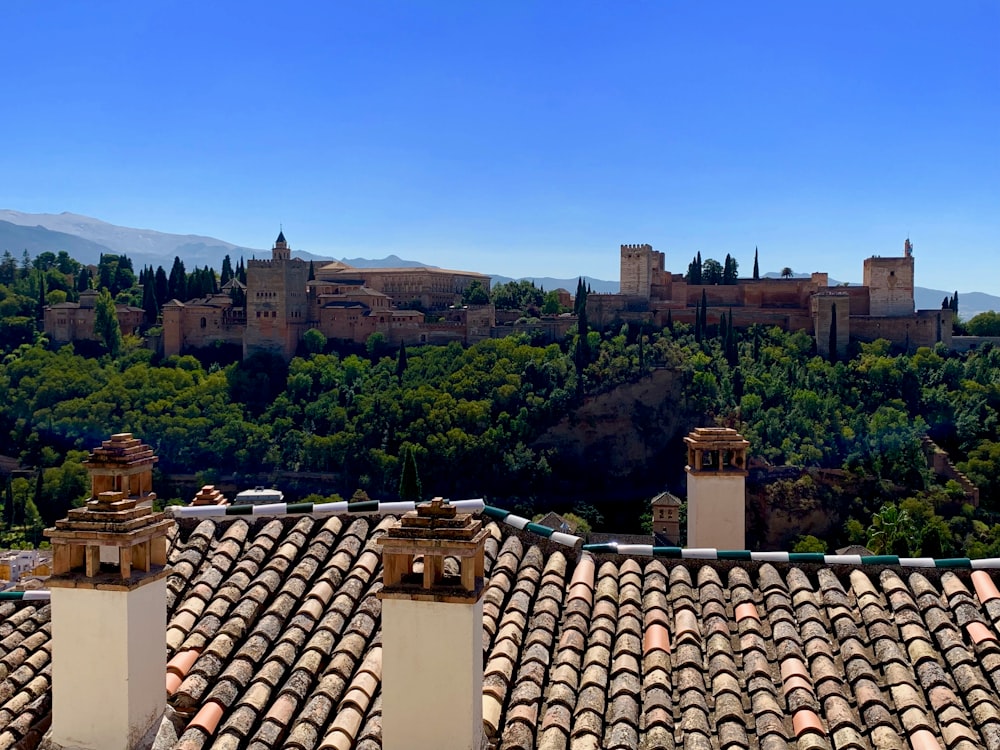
432	632
716	488
108	618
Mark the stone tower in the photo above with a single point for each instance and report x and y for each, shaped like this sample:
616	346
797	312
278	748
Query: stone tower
716	487
109	607
432	631
890	284
277	303
640	265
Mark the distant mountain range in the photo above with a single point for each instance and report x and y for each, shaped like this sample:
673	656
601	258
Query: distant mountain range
85	238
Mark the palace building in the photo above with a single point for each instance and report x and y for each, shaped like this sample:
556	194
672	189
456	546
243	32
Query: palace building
342	302
883	307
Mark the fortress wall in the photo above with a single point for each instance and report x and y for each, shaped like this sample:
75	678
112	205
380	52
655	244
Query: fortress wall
925	328
825	309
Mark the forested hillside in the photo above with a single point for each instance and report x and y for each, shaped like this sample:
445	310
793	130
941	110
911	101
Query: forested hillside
509	420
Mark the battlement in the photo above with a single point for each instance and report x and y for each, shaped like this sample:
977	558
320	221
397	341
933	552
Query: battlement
645	247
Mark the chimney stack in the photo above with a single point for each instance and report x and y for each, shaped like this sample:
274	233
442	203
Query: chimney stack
716	487
109	607
432	631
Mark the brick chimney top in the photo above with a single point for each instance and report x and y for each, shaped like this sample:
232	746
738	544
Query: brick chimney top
716	449
209	495
435	531
115	540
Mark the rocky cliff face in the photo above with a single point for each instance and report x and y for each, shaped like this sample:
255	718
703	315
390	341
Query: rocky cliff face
624	444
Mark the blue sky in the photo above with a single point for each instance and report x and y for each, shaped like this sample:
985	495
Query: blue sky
521	138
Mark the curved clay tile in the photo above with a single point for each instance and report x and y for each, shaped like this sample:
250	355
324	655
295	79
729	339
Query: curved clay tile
986	589
207	718
980	633
807	720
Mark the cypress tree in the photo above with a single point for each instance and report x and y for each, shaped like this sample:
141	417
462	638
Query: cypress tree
756	266
227	270
670	321
83	280
401	362
177	281
149	300
409	482
697	321
312	272
161	286
954	302
41	295
106	326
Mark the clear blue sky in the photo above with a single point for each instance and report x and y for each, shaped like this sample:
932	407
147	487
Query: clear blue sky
521	138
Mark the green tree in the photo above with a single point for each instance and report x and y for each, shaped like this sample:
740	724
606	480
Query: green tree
551	304
694	270
375	344
475	294
786	272
227	270
809	543
314	340
106	326
984	324
410	488
711	272
730	270
892	532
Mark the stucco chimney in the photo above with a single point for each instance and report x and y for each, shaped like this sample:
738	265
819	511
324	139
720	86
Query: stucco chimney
109	608
432	631
716	487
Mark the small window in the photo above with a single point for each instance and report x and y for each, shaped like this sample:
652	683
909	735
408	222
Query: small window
204	322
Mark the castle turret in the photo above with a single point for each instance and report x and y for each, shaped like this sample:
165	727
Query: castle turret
281	251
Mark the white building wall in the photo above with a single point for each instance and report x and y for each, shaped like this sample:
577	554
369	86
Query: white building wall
108	661
716	510
432	675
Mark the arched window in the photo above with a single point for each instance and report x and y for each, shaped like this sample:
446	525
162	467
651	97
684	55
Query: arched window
204	322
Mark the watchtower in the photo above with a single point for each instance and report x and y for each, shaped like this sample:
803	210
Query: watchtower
890	284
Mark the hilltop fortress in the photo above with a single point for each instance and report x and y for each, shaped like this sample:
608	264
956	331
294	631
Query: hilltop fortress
418	305
882	307
342	302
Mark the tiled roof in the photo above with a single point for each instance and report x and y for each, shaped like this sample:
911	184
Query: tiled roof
273	640
25	671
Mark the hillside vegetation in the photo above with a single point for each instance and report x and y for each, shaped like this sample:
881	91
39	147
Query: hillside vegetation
591	425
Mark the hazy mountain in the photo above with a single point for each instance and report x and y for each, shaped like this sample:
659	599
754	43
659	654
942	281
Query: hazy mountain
548	283
85	238
37	240
143	246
